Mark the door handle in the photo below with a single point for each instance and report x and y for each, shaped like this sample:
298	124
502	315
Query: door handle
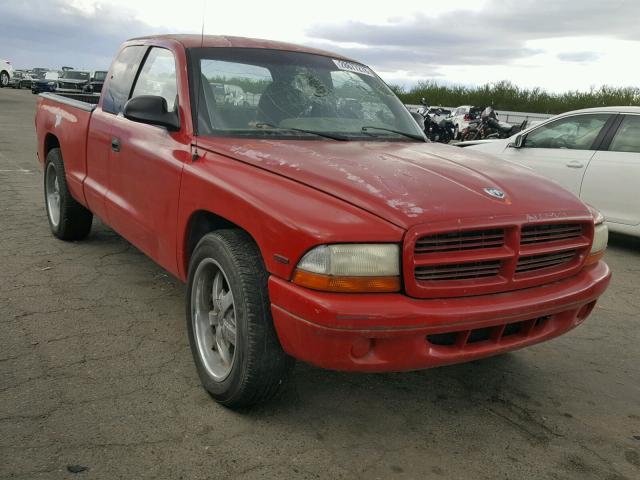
575	164
115	144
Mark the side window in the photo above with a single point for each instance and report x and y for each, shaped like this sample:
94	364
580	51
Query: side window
572	133
158	77
123	71
627	137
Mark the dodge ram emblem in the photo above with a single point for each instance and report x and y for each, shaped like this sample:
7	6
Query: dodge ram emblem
495	192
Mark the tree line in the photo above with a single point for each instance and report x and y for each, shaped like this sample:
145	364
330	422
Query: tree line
507	96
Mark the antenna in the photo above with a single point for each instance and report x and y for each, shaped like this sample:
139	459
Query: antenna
196	155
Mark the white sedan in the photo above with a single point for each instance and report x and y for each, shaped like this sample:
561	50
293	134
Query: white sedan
594	153
6	73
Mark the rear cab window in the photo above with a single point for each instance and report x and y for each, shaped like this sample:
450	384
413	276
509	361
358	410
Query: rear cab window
123	72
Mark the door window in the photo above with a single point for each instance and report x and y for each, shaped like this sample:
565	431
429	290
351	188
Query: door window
573	133
123	71
627	137
158	77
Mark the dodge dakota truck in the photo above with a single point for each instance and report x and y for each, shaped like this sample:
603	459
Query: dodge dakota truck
313	220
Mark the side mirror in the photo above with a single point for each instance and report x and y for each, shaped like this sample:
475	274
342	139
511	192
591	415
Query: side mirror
151	109
518	142
419	119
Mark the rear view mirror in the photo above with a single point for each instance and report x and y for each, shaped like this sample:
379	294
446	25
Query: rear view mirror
518	142
151	109
419	119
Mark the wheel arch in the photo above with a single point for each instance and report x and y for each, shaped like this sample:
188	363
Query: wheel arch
50	142
199	224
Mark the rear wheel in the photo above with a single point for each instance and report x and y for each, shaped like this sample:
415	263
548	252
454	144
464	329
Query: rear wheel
233	341
4	79
68	219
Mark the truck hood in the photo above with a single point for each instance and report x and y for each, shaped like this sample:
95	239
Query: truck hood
407	183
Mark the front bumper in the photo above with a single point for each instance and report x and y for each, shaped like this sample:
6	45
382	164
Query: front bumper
393	332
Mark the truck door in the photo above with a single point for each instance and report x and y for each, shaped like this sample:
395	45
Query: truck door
122	73
561	150
612	179
145	167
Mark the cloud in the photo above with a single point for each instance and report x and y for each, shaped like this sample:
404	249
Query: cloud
497	34
52	33
578	57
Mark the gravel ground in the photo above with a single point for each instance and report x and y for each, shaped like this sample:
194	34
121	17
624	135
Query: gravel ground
96	372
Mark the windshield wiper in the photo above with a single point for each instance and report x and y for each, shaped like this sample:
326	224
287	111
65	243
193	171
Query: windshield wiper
311	132
366	129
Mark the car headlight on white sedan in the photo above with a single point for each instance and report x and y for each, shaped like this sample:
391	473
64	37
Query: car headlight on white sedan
351	268
600	238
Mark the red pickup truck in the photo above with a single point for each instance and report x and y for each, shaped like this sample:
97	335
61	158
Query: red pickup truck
309	216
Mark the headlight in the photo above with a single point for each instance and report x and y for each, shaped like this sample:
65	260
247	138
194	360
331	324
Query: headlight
355	268
600	238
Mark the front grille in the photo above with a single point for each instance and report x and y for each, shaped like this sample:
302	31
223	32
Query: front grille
547	260
550	233
459	271
478	260
456	241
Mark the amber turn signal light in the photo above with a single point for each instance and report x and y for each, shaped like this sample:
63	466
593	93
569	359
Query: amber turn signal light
329	283
593	258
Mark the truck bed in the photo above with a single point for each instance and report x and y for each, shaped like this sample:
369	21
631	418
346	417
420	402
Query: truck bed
63	121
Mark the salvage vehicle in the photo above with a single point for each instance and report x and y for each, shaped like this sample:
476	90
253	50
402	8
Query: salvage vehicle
47	83
19	79
462	116
6	73
97	81
73	81
306	228
594	153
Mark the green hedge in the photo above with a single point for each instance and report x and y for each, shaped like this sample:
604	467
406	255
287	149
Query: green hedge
507	96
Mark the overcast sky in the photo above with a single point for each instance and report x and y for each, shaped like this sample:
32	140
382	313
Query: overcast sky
555	44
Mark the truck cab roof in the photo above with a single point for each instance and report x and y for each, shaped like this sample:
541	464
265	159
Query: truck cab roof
213	41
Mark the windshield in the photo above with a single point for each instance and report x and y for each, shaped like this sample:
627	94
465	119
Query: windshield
74	75
275	93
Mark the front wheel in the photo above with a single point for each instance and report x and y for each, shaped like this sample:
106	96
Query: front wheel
233	341
68	219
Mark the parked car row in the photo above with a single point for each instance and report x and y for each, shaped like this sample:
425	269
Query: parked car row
67	80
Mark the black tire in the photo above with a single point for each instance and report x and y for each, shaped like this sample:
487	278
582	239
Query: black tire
259	367
73	220
4	79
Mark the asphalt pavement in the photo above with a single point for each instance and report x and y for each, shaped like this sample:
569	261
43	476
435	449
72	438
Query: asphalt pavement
97	380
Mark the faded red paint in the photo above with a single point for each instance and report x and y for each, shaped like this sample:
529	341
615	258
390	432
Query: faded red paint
293	195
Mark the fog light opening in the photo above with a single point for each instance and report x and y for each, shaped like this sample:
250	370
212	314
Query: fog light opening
361	346
586	310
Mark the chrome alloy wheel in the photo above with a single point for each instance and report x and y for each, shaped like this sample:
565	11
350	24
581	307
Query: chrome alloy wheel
213	314
52	192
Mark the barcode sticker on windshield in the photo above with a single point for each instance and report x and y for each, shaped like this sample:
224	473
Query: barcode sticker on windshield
353	67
